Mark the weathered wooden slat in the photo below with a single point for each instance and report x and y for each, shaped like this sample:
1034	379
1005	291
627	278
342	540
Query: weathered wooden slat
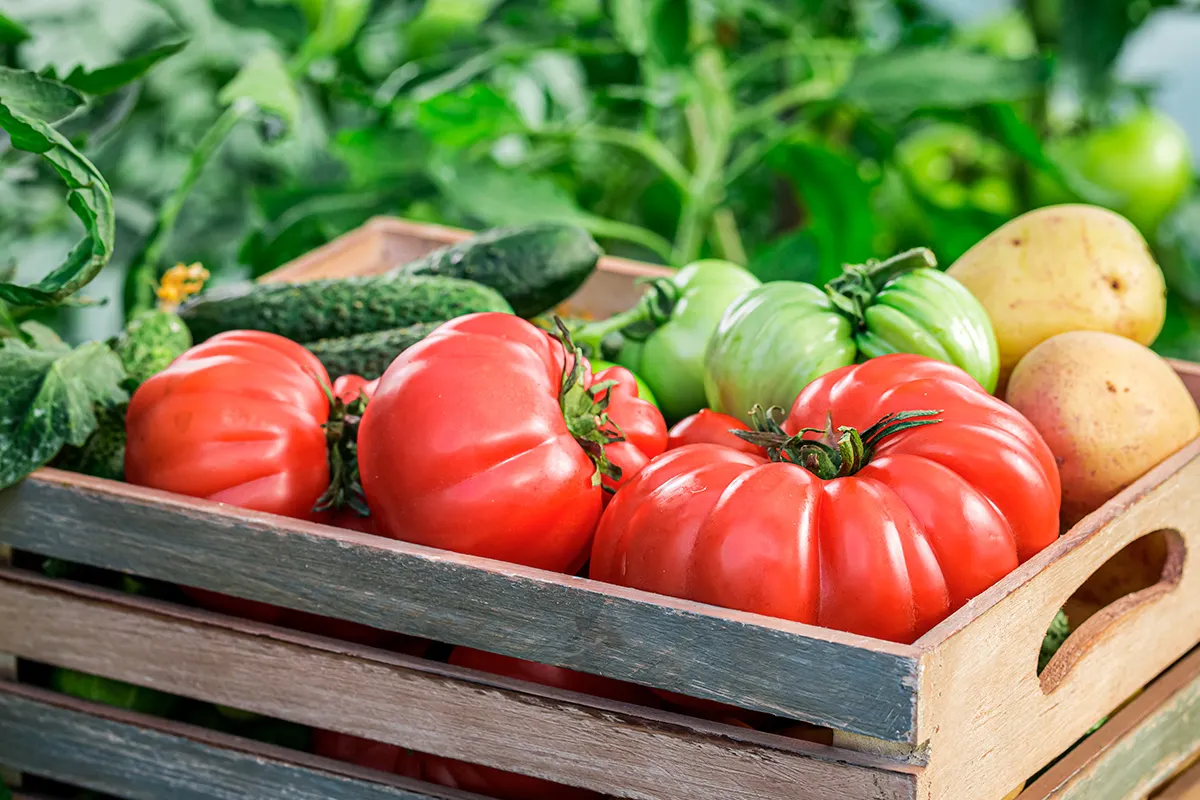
1138	749
8	671
144	758
817	675
583	741
1185	786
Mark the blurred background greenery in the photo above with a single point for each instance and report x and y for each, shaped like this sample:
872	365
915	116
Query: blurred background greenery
789	135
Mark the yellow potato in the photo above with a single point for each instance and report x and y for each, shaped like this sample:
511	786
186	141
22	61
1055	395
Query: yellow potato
1109	408
1064	268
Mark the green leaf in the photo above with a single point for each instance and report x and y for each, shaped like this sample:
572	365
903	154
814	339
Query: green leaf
31	95
48	400
441	21
11	32
108	79
88	196
265	82
904	81
1179	250
340	21
795	256
498	197
1093	33
837	202
469	116
378	155
632	20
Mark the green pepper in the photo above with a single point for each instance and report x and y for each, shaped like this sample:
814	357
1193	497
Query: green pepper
778	338
666	333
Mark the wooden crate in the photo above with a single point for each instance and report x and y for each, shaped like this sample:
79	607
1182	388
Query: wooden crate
962	713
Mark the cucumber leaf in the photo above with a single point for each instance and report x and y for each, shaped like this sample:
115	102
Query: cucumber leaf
29	104
112	77
48	398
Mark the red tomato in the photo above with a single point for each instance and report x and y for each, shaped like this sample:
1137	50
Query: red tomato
711	427
928	518
237	419
347	388
468	446
508	785
640	422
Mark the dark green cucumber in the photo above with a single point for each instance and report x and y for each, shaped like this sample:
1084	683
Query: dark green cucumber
368	354
324	309
535	267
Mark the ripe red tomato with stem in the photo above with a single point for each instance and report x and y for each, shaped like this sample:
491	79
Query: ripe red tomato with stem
490	438
927	492
710	427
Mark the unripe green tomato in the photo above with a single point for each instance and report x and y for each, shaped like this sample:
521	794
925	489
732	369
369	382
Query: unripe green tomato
778	338
953	167
644	391
671	359
1145	159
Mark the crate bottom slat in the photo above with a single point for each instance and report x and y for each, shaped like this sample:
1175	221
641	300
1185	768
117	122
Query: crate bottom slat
136	756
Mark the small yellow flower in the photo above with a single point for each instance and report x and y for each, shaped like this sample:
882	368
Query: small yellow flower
179	283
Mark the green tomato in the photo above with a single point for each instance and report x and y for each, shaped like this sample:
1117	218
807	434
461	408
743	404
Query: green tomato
112	693
778	338
1144	160
953	167
671	358
644	391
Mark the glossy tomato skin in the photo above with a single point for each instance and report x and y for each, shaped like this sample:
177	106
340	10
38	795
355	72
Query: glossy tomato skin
710	427
940	513
640	422
465	447
237	419
347	388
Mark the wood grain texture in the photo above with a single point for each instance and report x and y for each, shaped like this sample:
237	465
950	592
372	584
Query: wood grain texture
8	671
813	674
143	758
1141	747
997	722
625	750
1185	786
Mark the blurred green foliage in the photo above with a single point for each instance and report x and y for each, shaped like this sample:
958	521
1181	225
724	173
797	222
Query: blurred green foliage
791	136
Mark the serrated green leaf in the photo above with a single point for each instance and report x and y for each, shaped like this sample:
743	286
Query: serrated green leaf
48	400
265	82
112	77
837	201
42	337
28	94
11	32
88	196
903	81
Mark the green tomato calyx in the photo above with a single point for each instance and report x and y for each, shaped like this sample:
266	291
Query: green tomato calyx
651	312
585	409
854	290
341	438
837	454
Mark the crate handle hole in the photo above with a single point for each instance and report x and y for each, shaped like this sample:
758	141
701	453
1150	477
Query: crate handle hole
1144	570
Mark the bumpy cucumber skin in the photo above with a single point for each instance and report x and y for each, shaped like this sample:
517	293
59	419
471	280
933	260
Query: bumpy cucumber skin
535	267
324	309
149	343
368	354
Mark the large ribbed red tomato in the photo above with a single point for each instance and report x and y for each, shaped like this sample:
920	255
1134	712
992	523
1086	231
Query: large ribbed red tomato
882	534
473	442
710	427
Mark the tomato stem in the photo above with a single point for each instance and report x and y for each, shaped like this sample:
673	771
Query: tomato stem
585	409
854	290
651	312
341	438
834	455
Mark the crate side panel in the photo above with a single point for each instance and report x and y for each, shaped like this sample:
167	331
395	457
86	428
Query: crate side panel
768	665
145	762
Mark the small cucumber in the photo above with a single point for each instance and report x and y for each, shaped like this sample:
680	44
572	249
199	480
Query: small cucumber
324	309
535	267
368	354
